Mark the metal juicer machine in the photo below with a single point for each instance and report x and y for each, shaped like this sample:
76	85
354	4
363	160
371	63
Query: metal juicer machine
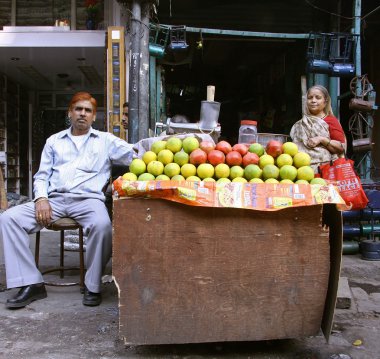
208	121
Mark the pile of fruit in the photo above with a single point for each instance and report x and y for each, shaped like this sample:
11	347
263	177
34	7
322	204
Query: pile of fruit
188	159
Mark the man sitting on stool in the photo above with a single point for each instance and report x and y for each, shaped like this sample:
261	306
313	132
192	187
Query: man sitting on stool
75	166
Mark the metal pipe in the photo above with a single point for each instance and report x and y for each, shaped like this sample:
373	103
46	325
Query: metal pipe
13	13
366	164
152	94
30	142
356	31
162	110
134	68
321	79
73	15
144	72
334	82
246	33
334	94
158	91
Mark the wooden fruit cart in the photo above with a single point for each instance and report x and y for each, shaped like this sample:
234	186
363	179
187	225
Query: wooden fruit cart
200	274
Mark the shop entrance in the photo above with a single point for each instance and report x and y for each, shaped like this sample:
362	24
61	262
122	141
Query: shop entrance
254	78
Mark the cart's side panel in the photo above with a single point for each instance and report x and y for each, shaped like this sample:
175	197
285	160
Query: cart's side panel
194	274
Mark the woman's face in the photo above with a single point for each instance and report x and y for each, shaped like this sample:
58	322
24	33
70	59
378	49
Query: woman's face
316	103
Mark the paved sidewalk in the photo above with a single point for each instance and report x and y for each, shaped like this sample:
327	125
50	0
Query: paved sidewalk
61	327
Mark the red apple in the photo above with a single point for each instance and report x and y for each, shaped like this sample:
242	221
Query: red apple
197	157
250	158
274	148
234	158
223	146
206	146
241	148
215	157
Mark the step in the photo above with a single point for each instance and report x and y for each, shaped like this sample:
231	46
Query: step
344	294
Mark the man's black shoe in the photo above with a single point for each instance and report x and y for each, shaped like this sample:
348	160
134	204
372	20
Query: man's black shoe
91	299
26	295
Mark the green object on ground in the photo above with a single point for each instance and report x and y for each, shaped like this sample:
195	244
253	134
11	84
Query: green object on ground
350	247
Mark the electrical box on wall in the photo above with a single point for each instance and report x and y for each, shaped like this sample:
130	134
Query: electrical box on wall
115	80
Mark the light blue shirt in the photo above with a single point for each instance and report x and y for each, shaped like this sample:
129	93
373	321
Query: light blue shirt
66	169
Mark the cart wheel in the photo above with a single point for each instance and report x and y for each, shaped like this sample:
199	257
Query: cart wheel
358	125
361	83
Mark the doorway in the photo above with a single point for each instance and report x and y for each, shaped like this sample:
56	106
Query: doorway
254	78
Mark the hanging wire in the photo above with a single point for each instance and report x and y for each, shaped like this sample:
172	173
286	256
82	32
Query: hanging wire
328	12
132	18
363	17
338	15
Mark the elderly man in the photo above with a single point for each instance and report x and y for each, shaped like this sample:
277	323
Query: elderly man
75	166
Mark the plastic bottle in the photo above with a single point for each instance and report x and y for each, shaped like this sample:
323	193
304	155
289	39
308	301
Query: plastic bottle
248	132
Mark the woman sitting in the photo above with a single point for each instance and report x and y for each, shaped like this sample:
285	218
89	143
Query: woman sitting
319	132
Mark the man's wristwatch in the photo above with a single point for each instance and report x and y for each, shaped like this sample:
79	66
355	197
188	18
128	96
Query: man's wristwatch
40	199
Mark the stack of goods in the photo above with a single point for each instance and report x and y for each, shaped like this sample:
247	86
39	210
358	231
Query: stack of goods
361	228
199	172
193	160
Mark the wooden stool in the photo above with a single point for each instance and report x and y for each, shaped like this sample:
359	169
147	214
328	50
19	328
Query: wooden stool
63	224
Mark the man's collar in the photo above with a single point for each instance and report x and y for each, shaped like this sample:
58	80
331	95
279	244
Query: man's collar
67	132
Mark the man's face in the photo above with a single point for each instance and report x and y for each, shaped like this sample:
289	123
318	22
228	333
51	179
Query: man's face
124	119
81	116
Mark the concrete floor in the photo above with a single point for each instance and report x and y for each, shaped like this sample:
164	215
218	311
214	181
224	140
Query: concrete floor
61	327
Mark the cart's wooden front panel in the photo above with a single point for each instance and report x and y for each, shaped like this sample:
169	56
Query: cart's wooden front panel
194	274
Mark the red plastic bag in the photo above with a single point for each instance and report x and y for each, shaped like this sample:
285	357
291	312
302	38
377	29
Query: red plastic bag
349	184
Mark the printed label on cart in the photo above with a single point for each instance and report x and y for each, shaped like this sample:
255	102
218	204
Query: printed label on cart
187	193
257	196
281	202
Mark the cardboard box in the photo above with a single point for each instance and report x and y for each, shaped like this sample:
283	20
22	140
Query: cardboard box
195	274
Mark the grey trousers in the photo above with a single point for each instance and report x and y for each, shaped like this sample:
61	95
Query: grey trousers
18	222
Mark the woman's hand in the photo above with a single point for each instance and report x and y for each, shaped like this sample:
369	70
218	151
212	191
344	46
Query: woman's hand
332	146
315	141
43	212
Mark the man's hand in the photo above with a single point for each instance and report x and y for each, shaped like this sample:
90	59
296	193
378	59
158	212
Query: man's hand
43	211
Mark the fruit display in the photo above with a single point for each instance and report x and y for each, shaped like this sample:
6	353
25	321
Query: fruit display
193	160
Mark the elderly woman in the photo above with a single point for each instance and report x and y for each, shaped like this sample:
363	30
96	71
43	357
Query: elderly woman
319	132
